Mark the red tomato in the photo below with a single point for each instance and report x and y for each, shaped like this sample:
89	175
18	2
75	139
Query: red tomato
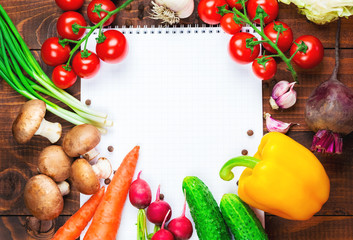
65	22
62	77
233	4
207	10
285	39
114	48
106	5
228	24
69	5
53	53
269	6
313	55
86	67
264	72
238	50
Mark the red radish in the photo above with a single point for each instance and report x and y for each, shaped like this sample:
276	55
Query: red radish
163	234
157	210
140	193
181	227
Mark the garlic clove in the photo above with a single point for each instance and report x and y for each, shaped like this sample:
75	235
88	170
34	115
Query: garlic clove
274	125
283	95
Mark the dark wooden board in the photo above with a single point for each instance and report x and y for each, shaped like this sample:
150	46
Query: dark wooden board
36	21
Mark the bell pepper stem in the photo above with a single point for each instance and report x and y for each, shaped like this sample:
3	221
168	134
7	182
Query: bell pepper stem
243	161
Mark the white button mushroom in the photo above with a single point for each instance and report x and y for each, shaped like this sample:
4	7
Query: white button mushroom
43	198
30	121
82	140
85	177
54	163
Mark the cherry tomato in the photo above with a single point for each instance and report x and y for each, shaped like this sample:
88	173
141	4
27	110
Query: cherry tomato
65	22
285	39
234	4
106	5
269	6
207	10
264	72
313	55
86	64
114	48
53	53
228	24
238	50
63	77
69	5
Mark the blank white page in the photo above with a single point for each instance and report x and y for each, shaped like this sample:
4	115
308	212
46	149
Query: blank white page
180	96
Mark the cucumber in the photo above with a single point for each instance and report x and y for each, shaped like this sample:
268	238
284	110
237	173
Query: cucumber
209	223
241	219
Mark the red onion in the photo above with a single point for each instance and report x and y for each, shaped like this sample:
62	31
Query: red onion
329	111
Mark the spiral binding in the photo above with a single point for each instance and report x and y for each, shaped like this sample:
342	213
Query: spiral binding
182	29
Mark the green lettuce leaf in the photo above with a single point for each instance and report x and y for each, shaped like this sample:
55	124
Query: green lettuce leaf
323	11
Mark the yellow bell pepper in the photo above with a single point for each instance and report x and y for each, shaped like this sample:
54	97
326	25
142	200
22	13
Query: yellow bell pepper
283	178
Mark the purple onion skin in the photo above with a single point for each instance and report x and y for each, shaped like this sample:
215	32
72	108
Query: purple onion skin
330	107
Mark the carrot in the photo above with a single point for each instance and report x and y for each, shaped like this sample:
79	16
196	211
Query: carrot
106	220
77	222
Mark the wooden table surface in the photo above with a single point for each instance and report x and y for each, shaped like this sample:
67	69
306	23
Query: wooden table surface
36	21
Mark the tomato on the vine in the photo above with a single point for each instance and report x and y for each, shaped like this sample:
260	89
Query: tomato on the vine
69	5
269	6
264	67
285	38
208	11
114	48
86	64
65	28
63	76
106	5
238	48
234	4
228	24
53	53
313	55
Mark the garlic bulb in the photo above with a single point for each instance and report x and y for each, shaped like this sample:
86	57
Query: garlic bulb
170	11
283	95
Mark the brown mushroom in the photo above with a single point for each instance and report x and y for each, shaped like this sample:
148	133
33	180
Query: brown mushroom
82	140
30	121
85	177
54	163
43	197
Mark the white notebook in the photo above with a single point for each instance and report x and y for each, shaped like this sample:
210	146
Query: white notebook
180	96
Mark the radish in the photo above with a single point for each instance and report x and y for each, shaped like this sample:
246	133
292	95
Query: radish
181	227
329	111
140	193
157	210
163	234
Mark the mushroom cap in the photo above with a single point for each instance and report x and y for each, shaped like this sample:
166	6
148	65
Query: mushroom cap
80	139
83	177
54	163
28	120
42	197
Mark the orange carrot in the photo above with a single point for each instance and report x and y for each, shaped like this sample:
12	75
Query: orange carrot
106	220
77	222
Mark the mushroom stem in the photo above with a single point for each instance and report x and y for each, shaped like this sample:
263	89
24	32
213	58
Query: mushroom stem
64	187
50	130
91	154
103	168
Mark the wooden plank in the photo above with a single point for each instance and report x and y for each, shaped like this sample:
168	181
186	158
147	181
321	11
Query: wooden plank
308	80
19	161
317	228
26	227
37	21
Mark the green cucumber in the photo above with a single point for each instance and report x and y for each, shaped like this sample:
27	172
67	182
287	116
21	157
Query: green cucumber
241	219
209	223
